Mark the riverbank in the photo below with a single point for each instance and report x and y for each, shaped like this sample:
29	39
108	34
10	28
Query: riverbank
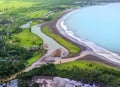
52	25
54	49
106	58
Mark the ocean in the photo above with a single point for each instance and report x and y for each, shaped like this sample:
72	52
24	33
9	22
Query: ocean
99	24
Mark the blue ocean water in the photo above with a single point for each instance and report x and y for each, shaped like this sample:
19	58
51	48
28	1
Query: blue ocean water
99	24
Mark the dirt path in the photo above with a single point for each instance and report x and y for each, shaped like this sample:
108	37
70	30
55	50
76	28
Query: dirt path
81	55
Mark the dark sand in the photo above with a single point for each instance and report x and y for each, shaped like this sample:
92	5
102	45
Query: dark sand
52	25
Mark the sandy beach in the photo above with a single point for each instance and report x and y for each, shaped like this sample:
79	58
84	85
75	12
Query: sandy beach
108	57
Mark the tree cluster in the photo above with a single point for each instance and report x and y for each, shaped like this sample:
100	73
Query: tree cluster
15	62
102	75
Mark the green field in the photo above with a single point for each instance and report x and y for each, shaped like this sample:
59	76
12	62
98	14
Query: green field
32	8
11	5
92	71
36	57
27	39
71	48
37	14
84	65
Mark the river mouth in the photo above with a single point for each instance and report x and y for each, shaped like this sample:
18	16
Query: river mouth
67	27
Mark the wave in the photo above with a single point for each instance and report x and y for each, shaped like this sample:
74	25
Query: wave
90	46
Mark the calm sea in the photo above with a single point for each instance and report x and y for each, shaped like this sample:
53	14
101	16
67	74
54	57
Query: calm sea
99	24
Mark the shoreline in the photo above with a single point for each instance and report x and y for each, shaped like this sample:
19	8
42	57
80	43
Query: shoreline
96	56
52	25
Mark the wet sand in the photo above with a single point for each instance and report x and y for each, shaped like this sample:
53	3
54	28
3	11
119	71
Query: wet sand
52	25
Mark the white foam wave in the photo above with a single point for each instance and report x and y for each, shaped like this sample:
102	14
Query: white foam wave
101	52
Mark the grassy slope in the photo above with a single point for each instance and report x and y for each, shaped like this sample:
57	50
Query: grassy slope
72	48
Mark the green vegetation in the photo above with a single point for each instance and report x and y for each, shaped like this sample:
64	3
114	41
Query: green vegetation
35	57
12	5
53	16
27	39
20	51
37	14
35	22
19	47
14	62
78	70
26	84
72	48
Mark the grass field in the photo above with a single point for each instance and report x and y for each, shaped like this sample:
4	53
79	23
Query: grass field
72	48
92	71
8	6
36	57
37	14
84	65
32	8
27	39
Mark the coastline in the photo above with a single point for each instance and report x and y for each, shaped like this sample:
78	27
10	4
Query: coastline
52	25
108	58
